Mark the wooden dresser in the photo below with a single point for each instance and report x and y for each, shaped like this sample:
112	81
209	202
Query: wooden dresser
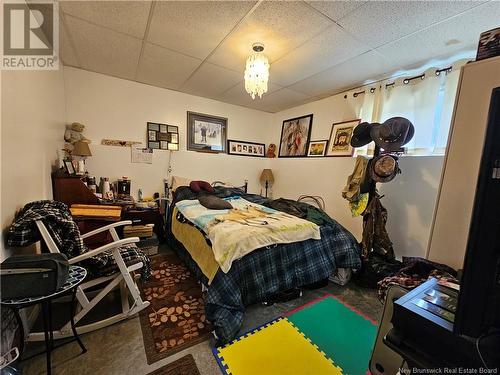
71	190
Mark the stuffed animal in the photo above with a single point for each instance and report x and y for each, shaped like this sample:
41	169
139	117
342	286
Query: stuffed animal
271	151
74	134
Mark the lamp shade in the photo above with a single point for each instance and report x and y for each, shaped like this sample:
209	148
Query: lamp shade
81	149
267	175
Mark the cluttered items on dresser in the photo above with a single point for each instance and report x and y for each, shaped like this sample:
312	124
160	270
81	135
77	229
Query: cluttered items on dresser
87	189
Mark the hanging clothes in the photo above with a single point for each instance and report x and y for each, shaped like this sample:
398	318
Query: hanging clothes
375	236
357	181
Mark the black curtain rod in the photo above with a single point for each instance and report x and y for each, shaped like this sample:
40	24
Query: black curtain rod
408	80
445	70
405	81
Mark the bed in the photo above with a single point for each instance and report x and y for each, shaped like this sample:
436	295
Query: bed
265	272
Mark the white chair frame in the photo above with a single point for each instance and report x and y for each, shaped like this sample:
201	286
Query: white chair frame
123	279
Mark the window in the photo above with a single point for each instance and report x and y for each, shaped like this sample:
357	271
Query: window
427	102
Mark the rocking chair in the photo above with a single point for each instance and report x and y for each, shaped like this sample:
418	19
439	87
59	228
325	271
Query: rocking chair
121	278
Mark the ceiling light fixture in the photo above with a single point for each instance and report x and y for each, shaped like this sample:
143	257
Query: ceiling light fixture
257	72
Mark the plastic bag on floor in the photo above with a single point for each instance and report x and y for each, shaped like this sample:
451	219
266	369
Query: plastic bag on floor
341	276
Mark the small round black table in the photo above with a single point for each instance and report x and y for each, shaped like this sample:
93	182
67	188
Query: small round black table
76	276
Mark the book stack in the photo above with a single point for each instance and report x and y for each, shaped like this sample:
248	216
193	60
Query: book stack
140	231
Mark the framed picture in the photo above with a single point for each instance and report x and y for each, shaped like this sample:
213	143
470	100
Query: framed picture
68	166
245	148
162	136
295	134
206	133
339	143
317	148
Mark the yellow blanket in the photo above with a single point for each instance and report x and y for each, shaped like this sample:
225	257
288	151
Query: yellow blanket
194	242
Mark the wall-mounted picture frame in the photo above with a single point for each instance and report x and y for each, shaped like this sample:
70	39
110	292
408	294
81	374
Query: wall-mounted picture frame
69	167
162	136
295	135
339	143
244	148
206	133
317	148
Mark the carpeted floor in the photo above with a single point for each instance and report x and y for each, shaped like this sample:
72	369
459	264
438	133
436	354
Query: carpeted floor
175	320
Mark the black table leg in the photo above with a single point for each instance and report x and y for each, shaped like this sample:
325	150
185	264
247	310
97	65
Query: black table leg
46	326
51	331
73	328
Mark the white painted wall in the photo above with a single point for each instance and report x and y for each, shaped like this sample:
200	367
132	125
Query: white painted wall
410	198
119	109
32	119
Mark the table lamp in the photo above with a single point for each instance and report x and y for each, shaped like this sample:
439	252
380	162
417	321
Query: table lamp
81	149
267	178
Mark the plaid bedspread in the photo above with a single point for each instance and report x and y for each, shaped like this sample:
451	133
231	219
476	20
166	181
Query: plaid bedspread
264	273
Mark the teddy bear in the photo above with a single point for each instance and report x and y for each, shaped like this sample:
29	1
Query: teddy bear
271	151
74	134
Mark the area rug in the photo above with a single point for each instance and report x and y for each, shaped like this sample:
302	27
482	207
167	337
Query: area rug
183	366
175	320
325	336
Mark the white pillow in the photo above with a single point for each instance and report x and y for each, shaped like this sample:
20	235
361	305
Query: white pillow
179	181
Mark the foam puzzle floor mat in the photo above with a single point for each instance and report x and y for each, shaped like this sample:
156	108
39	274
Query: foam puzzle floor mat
323	337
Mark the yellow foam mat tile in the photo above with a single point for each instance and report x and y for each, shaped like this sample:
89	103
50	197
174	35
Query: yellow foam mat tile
277	349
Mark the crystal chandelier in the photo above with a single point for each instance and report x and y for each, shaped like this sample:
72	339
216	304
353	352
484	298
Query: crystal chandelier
257	72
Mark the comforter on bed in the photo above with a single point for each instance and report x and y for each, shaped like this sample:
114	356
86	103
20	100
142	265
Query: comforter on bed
248	226
266	272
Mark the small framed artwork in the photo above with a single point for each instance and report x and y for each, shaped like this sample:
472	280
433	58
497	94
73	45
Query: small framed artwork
295	134
245	148
317	148
206	133
68	166
339	143
162	136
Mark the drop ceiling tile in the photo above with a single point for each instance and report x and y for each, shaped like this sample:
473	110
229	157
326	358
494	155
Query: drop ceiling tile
367	67
195	27
380	22
280	25
279	100
66	51
457	35
238	95
165	68
104	50
129	17
336	9
329	48
211	80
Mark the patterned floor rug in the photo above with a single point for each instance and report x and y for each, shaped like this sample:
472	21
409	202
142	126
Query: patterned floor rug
183	366
323	337
175	320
